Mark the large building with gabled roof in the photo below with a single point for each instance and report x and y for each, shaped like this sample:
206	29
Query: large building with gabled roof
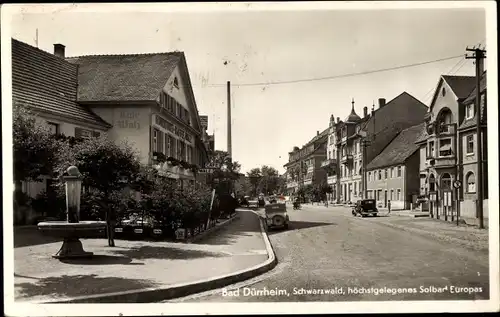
448	148
393	175
146	99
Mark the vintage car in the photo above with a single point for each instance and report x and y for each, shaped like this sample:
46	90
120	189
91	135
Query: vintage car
276	216
365	207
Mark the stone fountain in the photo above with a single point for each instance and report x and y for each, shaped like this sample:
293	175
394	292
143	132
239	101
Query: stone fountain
72	229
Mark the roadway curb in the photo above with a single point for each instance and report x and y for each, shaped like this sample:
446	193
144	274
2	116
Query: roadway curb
152	295
212	230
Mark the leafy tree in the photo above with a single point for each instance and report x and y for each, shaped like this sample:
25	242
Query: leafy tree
225	171
270	180
243	186
106	168
254	176
34	148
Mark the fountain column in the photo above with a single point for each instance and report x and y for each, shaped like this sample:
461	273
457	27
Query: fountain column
72	229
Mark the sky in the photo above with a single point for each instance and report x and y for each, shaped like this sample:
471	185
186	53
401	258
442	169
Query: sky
261	47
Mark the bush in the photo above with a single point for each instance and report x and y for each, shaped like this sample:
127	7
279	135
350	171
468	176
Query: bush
50	204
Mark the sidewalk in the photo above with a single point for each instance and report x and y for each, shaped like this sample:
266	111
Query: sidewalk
140	271
467	236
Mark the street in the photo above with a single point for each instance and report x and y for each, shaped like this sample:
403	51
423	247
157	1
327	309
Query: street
329	250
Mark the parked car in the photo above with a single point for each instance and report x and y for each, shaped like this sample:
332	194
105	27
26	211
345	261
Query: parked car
365	207
277	216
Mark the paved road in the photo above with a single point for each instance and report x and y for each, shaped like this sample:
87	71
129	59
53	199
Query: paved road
329	250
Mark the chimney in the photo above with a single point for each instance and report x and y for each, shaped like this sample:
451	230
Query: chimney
381	102
59	50
317	132
365	112
338	119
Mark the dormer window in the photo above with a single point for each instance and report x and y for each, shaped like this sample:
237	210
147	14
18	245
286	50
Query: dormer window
176	82
469	111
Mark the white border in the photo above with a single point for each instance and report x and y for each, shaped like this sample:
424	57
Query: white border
257	308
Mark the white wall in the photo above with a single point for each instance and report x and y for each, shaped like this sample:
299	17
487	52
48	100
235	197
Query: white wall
130	123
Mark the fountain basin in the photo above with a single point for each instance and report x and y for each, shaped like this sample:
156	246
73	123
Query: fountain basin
82	229
71	234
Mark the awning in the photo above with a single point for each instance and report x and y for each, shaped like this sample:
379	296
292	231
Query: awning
445	147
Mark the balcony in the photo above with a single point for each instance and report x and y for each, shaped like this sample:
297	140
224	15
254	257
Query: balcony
438	130
328	163
441	161
346	159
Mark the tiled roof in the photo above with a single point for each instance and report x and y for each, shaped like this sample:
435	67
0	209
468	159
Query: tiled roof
423	135
319	136
461	85
137	77
400	148
471	98
473	93
47	83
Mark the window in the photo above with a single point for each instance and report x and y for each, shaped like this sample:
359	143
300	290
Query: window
385	172
399	171
53	127
443	91
369	176
160	141
355	167
176	82
399	195
379	174
155	140
432	183
470	144
168	145
471	182
469	111
446	181
83	133
430	149
444	147
355	188
392	194
392	172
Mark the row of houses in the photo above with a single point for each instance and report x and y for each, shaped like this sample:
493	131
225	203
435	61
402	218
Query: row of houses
402	152
146	99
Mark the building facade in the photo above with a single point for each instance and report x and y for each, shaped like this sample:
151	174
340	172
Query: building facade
360	140
448	148
304	164
148	100
440	150
48	86
467	153
330	165
393	175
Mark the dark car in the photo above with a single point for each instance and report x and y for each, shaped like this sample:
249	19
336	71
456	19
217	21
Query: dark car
365	207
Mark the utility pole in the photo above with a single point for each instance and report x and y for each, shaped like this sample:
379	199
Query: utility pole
366	143
479	55
229	147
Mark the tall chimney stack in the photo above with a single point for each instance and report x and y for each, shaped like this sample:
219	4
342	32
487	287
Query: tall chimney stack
59	50
317	132
381	102
365	112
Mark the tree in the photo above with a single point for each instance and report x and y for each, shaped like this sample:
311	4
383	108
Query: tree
34	148
106	168
225	171
269	182
243	186
254	176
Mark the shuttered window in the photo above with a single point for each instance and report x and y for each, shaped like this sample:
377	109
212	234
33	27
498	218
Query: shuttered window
84	133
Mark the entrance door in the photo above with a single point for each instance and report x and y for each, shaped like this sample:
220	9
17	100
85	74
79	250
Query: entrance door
385	198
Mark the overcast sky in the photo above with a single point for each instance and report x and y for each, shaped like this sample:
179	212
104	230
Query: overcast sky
262	47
